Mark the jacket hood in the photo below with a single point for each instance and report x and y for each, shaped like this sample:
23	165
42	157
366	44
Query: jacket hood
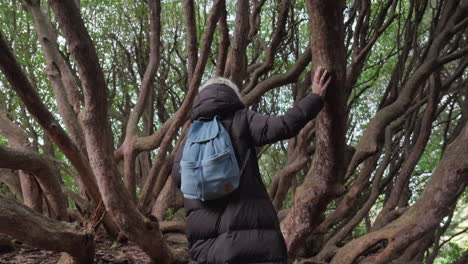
216	99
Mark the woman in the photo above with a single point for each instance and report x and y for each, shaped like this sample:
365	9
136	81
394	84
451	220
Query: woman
243	227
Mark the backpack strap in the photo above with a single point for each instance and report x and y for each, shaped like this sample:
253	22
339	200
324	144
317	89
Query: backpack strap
200	177
246	157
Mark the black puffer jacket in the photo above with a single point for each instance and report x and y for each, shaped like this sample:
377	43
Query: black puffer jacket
242	228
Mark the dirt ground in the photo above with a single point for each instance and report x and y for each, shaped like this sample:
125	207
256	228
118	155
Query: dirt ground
106	252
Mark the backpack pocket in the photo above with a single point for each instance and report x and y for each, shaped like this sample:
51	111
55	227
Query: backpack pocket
220	175
189	185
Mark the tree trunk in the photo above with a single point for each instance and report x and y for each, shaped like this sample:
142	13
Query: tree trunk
414	253
297	160
6	245
12	181
169	198
325	174
20	83
116	197
39	166
59	74
32	193
39	231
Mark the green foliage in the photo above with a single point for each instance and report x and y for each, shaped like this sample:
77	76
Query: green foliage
271	161
3	141
3	187
449	253
169	214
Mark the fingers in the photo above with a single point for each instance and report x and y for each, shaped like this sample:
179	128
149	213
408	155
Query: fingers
321	81
325	86
323	77
320	75
317	74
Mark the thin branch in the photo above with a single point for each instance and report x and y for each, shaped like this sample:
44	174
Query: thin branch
182	113
145	90
453	236
190	23
275	41
453	56
223	42
254	19
281	79
238	56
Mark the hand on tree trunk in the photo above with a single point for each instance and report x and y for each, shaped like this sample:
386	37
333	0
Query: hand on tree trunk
321	81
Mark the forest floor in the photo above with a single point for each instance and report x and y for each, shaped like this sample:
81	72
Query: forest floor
106	252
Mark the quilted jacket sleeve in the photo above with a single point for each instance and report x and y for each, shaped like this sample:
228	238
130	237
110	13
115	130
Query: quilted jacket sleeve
266	129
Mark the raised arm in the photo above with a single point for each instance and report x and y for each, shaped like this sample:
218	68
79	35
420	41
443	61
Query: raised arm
266	129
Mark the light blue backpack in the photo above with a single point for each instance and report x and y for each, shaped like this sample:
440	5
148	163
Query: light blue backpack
209	168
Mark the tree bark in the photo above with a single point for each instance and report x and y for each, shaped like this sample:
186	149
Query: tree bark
447	182
169	198
146	89
39	231
238	61
59	74
416	152
223	42
6	245
181	114
20	83
297	160
414	253
41	167
192	43
275	81
117	199
12	181
32	194
330	247
32	188
325	174
279	32
372	136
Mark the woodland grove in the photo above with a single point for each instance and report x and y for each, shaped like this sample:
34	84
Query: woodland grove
95	99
